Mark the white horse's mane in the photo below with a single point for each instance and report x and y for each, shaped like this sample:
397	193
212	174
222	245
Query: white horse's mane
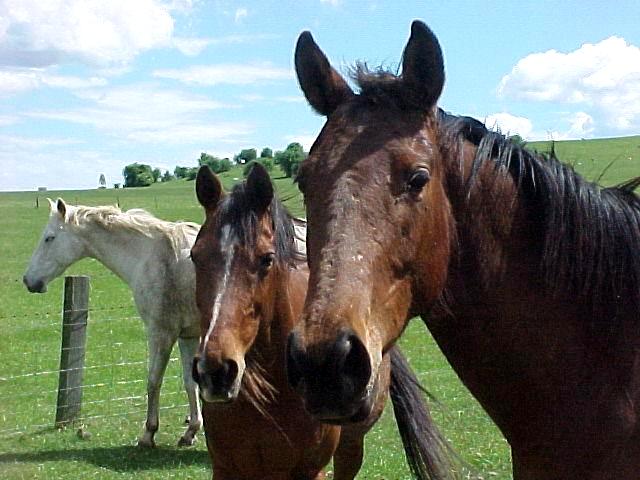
135	220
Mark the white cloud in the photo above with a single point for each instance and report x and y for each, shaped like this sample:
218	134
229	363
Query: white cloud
291	99
146	113
38	33
233	74
28	165
16	80
604	76
578	125
12	82
334	3
30	143
509	124
193	46
6	120
582	126
240	14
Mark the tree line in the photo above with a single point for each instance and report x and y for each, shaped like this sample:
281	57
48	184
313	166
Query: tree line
143	175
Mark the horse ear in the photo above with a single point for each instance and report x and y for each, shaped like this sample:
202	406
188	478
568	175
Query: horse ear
324	88
423	66
208	188
259	187
61	207
52	205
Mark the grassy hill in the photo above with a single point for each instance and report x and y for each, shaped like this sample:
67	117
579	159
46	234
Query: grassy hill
29	448
606	160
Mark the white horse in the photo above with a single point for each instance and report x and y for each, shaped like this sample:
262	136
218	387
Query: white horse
152	257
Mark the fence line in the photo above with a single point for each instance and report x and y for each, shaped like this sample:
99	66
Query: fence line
115	372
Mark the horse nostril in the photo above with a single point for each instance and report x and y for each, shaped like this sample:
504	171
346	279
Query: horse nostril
352	366
294	360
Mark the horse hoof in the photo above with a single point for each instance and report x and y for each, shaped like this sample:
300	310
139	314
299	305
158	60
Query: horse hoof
186	442
145	443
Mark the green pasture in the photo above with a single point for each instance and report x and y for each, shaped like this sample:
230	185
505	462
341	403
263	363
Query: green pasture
116	359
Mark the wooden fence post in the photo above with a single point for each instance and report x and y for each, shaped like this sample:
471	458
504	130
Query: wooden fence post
74	337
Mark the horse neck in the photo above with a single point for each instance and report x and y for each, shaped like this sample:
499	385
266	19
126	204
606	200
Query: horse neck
121	251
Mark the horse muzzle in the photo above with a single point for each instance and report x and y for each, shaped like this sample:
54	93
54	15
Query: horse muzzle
335	381
219	383
34	287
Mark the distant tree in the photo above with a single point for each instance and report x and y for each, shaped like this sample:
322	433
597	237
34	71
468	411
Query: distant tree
137	175
156	174
246	155
192	173
517	140
167	177
225	165
102	181
181	172
218	165
290	159
266	163
266	153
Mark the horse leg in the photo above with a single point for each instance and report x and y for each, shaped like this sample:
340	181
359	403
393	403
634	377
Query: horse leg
348	457
188	347
160	344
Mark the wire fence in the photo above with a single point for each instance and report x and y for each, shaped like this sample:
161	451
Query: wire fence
115	371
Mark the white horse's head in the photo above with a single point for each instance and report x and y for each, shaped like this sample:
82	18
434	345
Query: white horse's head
59	247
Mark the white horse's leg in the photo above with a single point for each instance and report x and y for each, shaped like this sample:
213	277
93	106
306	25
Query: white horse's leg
188	347
160	344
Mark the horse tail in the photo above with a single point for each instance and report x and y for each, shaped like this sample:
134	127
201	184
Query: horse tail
428	454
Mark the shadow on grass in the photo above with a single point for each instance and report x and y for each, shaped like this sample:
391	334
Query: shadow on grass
118	459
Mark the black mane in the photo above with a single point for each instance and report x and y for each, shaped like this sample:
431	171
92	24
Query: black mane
236	211
591	234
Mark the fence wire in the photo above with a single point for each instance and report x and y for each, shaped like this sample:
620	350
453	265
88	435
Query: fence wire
115	372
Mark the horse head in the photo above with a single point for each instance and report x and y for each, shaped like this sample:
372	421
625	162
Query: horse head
377	215
236	262
59	247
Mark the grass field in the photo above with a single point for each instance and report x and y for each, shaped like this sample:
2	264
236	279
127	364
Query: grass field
114	399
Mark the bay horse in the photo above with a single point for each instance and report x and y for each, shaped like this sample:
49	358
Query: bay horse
152	257
526	274
251	282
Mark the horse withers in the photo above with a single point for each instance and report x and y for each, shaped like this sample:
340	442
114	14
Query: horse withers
152	257
526	275
251	282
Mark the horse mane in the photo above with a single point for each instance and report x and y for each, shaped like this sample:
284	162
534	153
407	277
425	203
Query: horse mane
136	220
235	210
590	234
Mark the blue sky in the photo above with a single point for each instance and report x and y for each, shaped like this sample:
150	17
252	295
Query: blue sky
89	86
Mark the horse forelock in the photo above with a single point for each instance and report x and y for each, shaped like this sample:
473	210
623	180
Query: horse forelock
236	212
590	235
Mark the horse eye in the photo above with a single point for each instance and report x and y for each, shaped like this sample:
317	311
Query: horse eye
49	238
418	180
267	260
191	256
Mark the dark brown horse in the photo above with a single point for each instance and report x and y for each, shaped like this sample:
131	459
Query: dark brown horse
250	287
526	274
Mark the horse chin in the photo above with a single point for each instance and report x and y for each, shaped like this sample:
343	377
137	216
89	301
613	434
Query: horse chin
352	414
218	396
346	413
